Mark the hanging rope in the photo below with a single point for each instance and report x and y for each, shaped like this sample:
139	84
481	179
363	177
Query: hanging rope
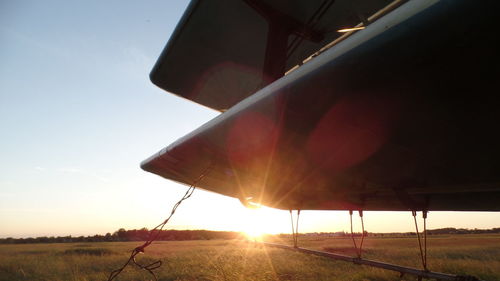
153	235
424	216
295	230
423	251
360	249
362	233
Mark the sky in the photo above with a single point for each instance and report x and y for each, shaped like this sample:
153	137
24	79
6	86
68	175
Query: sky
78	114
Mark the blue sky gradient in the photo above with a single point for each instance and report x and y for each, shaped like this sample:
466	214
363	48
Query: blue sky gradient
78	114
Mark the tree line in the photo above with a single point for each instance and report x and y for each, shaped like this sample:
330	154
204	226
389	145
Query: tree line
122	235
440	231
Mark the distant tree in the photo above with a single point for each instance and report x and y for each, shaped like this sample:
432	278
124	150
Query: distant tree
121	234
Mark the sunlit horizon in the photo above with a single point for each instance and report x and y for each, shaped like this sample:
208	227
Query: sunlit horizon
78	115
233	216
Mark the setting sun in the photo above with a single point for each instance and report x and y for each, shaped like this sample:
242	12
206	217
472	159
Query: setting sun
254	234
262	220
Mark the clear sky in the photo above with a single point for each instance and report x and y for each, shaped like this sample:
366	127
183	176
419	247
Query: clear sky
78	114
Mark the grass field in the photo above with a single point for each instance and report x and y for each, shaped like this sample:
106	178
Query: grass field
477	255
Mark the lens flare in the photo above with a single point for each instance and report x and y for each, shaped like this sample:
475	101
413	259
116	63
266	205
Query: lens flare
350	29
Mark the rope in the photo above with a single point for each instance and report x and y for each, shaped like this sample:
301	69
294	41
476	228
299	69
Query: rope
352	232
360	249
295	230
424	216
153	235
423	251
363	233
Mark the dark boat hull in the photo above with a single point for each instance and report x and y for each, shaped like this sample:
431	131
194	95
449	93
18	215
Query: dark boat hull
404	119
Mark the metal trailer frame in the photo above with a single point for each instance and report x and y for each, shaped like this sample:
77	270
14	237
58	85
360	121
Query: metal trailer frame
401	269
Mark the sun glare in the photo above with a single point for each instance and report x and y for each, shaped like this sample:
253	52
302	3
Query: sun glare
258	222
254	234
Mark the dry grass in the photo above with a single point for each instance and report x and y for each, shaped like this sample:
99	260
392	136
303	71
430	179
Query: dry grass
477	255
